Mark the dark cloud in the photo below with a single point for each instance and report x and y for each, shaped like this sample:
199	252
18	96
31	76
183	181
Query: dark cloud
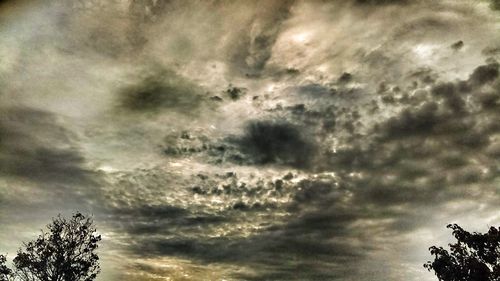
457	45
484	74
488	100
34	146
314	90
495	4
449	92
346	77
277	142
424	75
403	153
151	212
439	144
318	232
151	221
262	142
235	93
164	91
491	51
410	122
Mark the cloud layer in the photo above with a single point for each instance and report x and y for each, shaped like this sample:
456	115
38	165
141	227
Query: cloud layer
251	140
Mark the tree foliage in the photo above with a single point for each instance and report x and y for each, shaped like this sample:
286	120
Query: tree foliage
66	252
474	257
5	272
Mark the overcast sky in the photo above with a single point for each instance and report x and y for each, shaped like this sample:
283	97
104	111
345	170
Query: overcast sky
251	140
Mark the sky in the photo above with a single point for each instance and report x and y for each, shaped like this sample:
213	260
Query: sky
251	140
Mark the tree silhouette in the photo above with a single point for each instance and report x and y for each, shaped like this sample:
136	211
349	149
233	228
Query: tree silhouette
474	257
5	272
67	252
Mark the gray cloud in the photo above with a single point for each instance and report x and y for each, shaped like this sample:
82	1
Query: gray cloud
495	4
320	231
438	144
262	142
267	140
164	91
35	147
277	142
484	74
253	50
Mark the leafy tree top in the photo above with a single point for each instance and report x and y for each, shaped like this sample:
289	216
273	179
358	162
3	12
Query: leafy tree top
66	252
474	257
